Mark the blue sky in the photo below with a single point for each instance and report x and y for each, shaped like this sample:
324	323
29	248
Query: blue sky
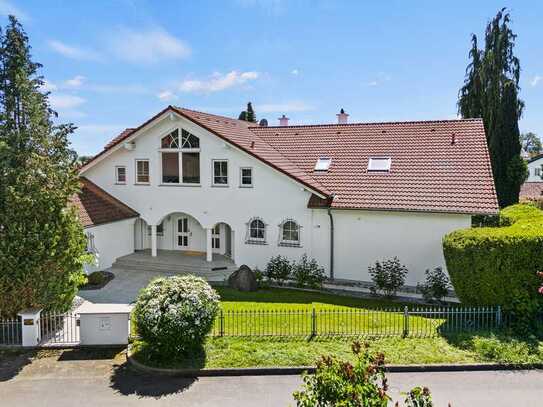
113	64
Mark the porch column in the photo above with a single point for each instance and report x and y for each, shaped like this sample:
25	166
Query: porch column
209	249
153	240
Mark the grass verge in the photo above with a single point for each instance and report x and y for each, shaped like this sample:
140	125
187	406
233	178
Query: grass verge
241	352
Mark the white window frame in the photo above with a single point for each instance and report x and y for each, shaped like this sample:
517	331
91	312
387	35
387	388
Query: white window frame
117	168
256	240
537	171
213	173
180	152
388	161
287	242
241	184
323	164
158	227
138	182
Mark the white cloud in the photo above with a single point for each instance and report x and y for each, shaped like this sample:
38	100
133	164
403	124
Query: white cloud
381	78
73	52
7	8
75	82
295	72
167	95
61	101
149	46
535	80
218	82
48	86
291	106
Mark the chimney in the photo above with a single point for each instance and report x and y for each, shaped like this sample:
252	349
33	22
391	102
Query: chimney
283	121
342	117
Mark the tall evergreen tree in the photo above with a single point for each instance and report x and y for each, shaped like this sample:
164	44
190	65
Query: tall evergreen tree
490	91
42	244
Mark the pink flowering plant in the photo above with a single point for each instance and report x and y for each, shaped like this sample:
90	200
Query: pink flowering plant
173	315
540	275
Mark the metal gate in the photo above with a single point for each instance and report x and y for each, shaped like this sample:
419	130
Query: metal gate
59	329
11	331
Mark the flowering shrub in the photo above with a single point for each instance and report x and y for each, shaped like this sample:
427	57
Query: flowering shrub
173	315
340	383
388	276
418	397
308	273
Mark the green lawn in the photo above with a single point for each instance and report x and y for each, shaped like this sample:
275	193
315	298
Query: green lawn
303	350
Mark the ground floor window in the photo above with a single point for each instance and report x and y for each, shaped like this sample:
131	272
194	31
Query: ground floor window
216	237
159	229
256	231
289	232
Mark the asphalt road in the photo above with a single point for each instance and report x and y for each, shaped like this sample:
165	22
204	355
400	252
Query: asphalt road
71	380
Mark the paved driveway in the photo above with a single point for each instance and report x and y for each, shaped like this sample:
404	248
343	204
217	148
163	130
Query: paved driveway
124	288
101	378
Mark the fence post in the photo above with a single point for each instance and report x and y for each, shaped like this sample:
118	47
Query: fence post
313	322
405	321
499	316
221	320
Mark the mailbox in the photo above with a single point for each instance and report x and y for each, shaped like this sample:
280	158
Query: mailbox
104	324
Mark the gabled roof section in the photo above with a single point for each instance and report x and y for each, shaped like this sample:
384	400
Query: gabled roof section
96	207
436	166
235	132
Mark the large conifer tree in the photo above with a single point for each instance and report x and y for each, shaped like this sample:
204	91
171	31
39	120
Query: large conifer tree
42	245
490	91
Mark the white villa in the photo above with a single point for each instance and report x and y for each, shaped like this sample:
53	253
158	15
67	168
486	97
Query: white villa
191	189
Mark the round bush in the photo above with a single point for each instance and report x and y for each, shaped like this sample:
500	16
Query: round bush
173	315
96	278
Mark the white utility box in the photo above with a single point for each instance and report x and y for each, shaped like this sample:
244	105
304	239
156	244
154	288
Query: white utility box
104	324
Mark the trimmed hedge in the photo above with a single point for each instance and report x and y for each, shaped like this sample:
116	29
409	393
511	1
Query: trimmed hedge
498	265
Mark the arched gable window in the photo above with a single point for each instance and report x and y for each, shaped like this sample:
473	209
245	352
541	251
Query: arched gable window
256	231
180	158
289	233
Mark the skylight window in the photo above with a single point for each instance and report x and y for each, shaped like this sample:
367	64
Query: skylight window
323	163
379	164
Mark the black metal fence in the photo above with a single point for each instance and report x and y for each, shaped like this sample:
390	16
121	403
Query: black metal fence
404	322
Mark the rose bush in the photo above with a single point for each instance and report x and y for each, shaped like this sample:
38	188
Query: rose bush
174	315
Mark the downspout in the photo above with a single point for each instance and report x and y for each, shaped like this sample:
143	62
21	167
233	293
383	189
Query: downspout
331	241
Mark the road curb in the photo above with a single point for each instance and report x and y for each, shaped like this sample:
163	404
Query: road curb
296	370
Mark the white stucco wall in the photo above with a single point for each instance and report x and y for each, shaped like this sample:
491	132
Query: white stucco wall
532	167
362	237
112	240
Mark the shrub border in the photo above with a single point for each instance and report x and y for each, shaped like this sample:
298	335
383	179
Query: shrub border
296	370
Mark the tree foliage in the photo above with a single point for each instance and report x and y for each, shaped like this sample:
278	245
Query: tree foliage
248	115
42	244
490	91
531	144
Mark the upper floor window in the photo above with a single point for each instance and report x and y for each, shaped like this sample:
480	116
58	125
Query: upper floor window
180	154
379	164
246	175
120	175
220	172
289	232
537	172
256	231
142	171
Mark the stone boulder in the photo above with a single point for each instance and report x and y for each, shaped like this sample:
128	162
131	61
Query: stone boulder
243	279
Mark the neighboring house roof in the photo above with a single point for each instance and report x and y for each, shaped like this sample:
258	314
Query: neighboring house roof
531	190
95	206
437	166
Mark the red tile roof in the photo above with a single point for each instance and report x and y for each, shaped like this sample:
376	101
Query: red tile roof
429	171
95	206
531	190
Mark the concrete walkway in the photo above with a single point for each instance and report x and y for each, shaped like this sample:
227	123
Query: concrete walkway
100	378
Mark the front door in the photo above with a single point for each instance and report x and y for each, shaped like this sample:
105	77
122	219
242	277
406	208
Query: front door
183	233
